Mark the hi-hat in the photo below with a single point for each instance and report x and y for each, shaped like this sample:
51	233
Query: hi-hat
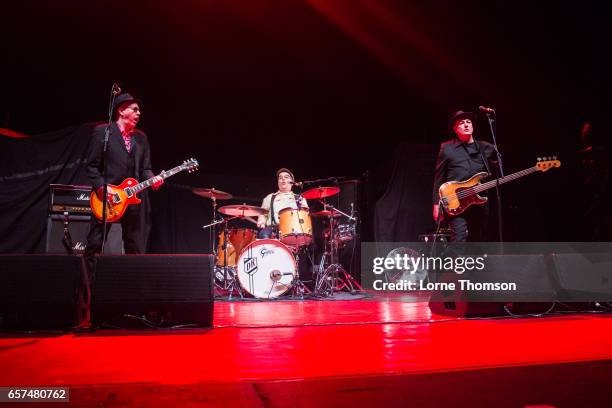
320	192
327	213
243	210
212	193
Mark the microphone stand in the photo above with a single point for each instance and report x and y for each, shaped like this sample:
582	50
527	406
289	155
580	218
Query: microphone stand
67	238
492	126
114	92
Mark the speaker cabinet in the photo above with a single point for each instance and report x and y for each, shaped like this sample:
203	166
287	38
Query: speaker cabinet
78	226
531	273
42	292
153	290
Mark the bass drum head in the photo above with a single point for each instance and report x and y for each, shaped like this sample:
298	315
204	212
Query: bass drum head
266	268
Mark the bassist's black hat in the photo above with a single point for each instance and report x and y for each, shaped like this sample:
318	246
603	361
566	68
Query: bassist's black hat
458	115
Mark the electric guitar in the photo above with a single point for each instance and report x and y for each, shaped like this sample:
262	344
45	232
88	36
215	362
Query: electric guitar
457	196
119	197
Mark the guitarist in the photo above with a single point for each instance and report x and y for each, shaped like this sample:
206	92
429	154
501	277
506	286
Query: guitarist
459	159
128	155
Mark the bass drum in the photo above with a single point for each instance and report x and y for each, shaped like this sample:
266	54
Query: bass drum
266	268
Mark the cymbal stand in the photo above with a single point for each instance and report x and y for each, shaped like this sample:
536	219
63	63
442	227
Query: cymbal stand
213	243
334	277
229	279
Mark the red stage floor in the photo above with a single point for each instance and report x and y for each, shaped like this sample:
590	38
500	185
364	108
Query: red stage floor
303	340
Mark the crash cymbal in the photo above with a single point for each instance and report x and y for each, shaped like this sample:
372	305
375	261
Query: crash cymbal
243	210
327	213
320	192
212	193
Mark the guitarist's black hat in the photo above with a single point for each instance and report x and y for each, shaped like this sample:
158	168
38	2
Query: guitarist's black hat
458	115
122	100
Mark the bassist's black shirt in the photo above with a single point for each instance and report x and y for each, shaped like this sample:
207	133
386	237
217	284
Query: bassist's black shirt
458	161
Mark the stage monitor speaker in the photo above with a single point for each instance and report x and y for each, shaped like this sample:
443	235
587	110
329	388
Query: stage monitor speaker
42	292
153	291
531	273
456	308
584	277
78	226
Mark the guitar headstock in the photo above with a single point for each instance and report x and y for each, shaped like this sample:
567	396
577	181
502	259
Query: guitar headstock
190	165
546	163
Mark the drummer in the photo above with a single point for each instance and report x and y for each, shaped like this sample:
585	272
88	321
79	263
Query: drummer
275	202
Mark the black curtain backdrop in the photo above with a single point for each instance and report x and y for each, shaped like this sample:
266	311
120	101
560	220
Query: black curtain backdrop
27	168
404	211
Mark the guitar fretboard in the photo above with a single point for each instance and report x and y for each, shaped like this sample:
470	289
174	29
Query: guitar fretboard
148	183
490	184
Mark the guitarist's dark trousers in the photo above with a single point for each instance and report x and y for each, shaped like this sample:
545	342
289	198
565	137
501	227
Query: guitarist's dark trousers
471	225
134	230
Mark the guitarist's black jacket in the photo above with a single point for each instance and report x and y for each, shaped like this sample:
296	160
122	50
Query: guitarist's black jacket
121	164
458	161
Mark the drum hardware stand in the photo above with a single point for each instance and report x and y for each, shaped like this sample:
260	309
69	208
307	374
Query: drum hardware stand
298	289
334	278
229	279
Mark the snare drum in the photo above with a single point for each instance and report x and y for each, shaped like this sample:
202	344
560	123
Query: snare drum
238	238
295	227
266	268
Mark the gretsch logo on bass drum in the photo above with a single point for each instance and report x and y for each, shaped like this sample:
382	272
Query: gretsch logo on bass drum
265	251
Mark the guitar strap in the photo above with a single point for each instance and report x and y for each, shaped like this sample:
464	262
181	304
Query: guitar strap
486	162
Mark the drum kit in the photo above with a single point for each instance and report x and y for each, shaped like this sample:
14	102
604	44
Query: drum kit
268	268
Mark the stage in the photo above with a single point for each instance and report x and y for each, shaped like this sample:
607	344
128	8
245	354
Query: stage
354	351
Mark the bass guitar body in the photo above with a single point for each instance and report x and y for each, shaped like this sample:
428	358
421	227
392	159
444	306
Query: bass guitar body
457	196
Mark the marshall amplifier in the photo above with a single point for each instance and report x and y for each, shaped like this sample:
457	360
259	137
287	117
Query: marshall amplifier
73	199
77	227
68	222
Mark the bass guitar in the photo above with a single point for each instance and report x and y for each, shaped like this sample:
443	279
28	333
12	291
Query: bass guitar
457	196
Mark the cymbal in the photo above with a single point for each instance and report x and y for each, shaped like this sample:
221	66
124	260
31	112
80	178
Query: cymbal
212	193
326	213
320	192
243	210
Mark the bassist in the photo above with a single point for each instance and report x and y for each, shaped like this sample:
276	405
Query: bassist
459	159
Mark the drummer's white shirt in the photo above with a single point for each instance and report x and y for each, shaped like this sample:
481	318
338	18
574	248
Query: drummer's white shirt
281	201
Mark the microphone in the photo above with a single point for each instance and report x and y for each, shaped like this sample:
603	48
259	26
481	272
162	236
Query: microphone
486	110
116	88
298	184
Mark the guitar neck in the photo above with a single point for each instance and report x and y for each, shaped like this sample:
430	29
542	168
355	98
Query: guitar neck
514	176
148	183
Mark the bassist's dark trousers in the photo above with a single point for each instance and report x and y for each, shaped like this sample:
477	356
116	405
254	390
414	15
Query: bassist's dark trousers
473	223
134	228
